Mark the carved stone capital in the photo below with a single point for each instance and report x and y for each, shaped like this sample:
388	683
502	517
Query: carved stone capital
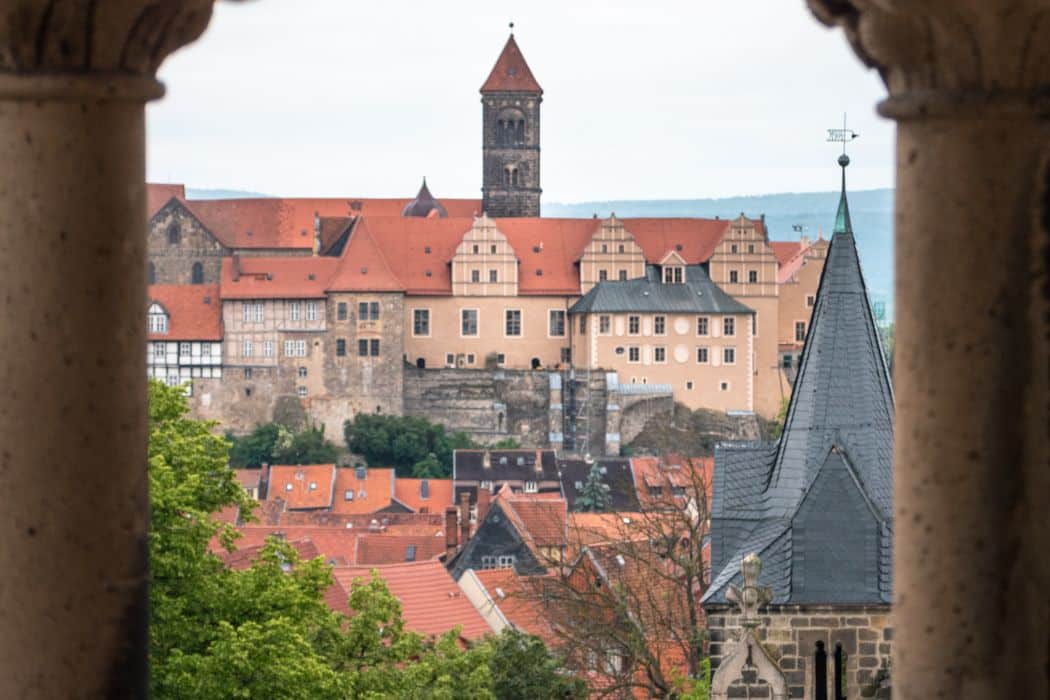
977	57
111	49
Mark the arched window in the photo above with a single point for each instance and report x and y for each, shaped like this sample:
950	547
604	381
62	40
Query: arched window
520	135
173	234
506	176
158	319
514	177
510	126
197	276
151	273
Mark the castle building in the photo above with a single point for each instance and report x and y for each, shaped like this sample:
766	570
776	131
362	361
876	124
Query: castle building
332	307
816	507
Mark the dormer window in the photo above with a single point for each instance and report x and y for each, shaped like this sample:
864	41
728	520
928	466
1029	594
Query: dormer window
158	319
673	274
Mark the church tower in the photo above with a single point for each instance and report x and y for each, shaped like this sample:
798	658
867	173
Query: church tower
510	101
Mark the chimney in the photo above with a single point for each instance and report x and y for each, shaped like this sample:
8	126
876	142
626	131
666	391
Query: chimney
264	481
464	517
317	234
236	265
486	460
484	498
451	531
804	241
539	462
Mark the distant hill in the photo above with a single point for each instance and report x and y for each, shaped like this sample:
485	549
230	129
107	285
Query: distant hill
870	210
192	193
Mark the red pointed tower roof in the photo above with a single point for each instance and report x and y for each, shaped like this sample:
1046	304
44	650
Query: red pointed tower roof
511	73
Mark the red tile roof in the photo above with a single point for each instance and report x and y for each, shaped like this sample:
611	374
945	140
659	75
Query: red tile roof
242	557
517	600
271	222
386	548
249	478
670	470
511	73
544	519
276	277
371	494
785	250
698	237
302	486
431	601
336	545
363	267
410	492
194	311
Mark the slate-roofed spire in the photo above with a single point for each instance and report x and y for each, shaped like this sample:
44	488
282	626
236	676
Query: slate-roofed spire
424	205
818	505
842	222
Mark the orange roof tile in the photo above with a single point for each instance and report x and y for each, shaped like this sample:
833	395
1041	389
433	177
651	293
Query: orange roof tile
242	557
657	237
544	519
302	486
548	250
439	494
276	277
249	478
406	240
386	548
337	545
592	528
431	602
517	601
194	311
159	194
371	494
511	73
362	266
669	471
785	250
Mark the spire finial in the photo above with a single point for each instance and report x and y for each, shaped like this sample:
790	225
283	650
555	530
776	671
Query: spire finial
512	27
845	135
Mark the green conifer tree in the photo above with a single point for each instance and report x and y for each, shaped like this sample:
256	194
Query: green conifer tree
594	497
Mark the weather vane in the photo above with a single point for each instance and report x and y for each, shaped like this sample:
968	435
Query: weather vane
845	135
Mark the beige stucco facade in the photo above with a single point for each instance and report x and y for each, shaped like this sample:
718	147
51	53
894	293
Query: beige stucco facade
797	297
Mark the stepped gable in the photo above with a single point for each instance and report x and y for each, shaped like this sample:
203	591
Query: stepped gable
817	506
511	73
194	311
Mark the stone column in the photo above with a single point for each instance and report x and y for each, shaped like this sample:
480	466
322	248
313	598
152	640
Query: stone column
969	85
74	79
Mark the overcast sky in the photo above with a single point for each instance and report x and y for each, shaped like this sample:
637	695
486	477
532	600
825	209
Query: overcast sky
653	99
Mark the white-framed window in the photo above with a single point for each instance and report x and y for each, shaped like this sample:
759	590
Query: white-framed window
247	372
703	326
295	348
634	354
512	323
468	323
800	331
734	276
493	276
660	354
634	325
604	324
421	323
302	372
159	352
311	311
269	348
603	275
723	386
252	311
368	347
688	386
341	311
531	487
728	326
703	355
368	311
752	276
294	310
556	323
810	300
471	358
246	348
729	355
301	391
158	319
475	275
450	360
673	274
659	325
622	275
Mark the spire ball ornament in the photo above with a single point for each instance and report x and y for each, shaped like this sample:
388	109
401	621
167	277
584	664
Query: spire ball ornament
843	160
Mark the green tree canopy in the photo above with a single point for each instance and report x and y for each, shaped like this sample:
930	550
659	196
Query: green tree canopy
266	632
272	443
404	442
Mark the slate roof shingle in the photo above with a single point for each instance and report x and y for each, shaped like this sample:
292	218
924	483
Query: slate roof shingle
649	294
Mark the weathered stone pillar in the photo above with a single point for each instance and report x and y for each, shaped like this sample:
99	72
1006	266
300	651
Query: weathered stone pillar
74	79
969	84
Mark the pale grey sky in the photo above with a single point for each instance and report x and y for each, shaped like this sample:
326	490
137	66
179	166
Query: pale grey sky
642	100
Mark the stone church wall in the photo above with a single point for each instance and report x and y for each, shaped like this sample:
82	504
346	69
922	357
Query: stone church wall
790	634
172	263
